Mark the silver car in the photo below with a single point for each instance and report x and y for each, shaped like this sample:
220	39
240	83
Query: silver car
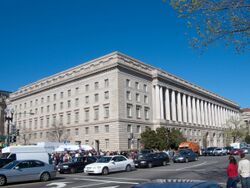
26	170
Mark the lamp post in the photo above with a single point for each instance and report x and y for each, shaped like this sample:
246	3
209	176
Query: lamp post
9	111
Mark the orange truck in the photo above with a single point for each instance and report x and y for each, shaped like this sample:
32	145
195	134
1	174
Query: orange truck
190	145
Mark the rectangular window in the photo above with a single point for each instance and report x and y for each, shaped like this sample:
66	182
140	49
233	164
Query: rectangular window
145	99
69	103
96	85
68	132
106	128
48	98
69	93
106	95
68	118
86	99
96	97
128	83
41	135
146	113
129	144
106	111
106	83
138	129
145	88
76	131
35	123
25	105
41	123
61	119
129	128
54	120
35	111
76	117
36	102
96	129
137	85
106	144
138	112
137	97
48	109
76	102
42	100
61	95
86	130
31	103
77	90
129	97
129	110
47	122
61	105
96	113
54	107
86	114
87	87
54	96
41	110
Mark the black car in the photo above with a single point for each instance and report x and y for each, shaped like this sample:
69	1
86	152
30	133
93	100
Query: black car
76	165
151	159
185	155
4	162
210	151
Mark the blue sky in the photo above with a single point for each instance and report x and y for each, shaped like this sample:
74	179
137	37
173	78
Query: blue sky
41	37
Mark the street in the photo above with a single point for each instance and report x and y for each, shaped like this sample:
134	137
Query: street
207	168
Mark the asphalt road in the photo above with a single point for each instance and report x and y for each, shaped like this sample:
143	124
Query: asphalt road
206	168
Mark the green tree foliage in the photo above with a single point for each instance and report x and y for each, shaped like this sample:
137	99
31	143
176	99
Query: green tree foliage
161	138
213	20
247	139
236	131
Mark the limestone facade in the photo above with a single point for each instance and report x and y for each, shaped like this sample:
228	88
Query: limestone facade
109	101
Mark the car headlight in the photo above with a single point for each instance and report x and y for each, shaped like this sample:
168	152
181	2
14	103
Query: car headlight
143	162
181	158
65	166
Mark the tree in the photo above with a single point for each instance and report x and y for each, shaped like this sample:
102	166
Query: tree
226	20
175	138
58	133
247	139
148	139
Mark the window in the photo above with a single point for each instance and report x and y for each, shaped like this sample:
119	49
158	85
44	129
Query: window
31	103
76	131
36	102
106	111
54	120
145	99
54	107
35	111
69	103
86	130
129	110
96	129
35	123
42	100
41	122
68	118
25	105
138	111
77	90
129	143
48	98
145	88
129	128
106	128
96	97
47	121
96	113
106	144
146	113
76	117
87	87
68	132
106	83
61	105
76	102
61	119
87	142
137	85
137	97
41	110
138	129
41	135
24	114
128	83
129	97
96	85
86	114
69	93
61	95
86	99
106	95
48	109
54	97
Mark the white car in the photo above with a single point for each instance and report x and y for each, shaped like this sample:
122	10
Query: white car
107	164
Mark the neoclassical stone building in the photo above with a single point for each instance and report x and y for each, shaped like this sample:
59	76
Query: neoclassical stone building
109	101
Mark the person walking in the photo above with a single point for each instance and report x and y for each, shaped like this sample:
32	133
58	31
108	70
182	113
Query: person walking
244	171
232	173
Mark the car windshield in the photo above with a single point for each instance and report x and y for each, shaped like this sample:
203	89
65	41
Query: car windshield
104	160
10	165
77	159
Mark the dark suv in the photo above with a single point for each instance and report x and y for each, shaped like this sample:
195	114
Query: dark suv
76	165
151	159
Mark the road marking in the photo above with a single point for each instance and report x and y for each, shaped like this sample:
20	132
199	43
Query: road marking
173	170
106	181
201	164
57	184
90	185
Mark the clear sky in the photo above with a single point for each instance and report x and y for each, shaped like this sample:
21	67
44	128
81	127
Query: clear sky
39	38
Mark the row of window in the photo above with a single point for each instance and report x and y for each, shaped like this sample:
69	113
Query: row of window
137	85
69	91
137	97
68	116
138	109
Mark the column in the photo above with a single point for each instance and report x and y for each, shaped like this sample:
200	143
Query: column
184	107
194	110
173	105
209	114
213	119
179	107
198	111
157	102
189	109
161	103
219	116
154	102
215	115
205	113
167	104
202	113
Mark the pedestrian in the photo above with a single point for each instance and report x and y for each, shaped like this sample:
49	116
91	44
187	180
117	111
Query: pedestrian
244	171
232	173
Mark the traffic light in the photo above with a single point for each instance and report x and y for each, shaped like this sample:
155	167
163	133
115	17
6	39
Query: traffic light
17	132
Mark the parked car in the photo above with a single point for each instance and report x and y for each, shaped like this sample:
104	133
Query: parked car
245	150
220	151
185	155
151	159
77	164
236	151
26	170
229	148
210	150
3	162
203	151
107	164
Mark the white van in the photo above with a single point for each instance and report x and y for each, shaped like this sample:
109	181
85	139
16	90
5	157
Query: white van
26	152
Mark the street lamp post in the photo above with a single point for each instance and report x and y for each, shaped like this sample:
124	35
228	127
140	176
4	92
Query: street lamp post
9	111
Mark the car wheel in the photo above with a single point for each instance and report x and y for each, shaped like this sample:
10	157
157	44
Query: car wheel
150	165
186	160
2	180
105	171
128	168
72	170
45	176
164	163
